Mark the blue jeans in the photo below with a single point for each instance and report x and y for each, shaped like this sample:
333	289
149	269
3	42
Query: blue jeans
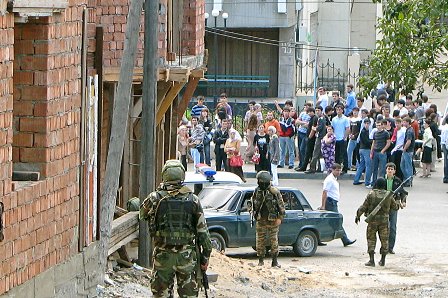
303	140
406	166
287	143
379	161
392	228
332	205
364	164
350	148
445	163
197	156
207	153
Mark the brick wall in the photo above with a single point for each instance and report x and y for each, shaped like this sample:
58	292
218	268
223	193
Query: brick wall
112	15
6	88
194	27
42	122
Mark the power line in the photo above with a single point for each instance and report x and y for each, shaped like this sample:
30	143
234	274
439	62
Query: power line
294	2
283	44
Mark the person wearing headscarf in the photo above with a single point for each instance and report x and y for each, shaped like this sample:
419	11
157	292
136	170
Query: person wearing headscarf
232	149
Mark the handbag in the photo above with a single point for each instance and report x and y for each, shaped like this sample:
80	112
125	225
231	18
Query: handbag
256	158
236	161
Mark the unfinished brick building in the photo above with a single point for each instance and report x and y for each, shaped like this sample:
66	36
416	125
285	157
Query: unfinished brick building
54	124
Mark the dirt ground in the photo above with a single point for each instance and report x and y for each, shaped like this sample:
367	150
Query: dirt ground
337	276
418	269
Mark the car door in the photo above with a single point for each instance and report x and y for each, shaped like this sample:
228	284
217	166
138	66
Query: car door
246	233
294	218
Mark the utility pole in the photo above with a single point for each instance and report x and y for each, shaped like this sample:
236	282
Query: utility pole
120	114
148	153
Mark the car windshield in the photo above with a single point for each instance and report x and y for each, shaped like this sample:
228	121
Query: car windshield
217	198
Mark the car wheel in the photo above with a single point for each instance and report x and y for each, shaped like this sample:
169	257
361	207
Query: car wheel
306	244
218	241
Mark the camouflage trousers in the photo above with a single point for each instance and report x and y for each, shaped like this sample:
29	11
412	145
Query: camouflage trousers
265	231
170	263
383	232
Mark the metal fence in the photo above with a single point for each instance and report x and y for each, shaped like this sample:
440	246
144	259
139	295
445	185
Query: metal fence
328	76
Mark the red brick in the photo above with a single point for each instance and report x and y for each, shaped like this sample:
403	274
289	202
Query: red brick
34	155
34	93
36	124
23	139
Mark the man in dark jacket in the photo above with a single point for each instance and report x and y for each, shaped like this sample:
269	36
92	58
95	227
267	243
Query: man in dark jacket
379	222
220	137
393	183
364	163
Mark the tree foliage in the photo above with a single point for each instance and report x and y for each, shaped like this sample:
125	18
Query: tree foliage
413	48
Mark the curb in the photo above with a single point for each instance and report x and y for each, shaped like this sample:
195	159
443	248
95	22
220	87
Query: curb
302	175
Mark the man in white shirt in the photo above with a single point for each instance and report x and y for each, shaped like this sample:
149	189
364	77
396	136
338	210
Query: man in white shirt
323	98
400	106
331	196
397	151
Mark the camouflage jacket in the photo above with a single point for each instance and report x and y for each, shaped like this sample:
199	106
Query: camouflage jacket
272	200
149	208
374	197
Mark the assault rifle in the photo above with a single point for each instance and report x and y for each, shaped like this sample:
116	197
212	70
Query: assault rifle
205	282
201	275
378	207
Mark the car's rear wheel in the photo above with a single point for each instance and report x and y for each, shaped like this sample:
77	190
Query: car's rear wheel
218	241
306	244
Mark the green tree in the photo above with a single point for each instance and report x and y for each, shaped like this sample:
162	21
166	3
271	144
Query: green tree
413	48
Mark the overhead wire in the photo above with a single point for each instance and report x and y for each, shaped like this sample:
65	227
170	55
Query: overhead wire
292	2
278	43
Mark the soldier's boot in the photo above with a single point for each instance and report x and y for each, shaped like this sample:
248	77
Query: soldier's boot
382	262
371	262
260	261
275	262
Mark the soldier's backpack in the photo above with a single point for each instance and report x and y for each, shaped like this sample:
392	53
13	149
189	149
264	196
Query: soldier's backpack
173	221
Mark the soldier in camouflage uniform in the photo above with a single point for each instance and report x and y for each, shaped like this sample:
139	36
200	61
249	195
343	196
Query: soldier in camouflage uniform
268	210
181	240
379	223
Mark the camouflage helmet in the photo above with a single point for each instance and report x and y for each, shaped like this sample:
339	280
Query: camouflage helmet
264	176
173	171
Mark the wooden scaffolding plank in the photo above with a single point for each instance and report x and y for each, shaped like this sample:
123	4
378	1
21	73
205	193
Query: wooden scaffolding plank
168	100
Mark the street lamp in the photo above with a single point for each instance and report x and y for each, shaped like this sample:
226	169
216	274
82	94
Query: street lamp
225	15
215	14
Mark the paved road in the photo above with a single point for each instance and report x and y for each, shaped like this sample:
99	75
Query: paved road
421	260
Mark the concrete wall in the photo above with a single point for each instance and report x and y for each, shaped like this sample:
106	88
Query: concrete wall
76	277
334	31
254	14
339	24
363	29
287	64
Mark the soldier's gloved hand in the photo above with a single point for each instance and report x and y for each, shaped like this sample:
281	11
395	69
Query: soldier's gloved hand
357	219
204	267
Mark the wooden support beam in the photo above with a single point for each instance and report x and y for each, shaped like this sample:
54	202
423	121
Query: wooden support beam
168	100
118	132
186	97
111	74
167	133
124	229
174	124
179	74
162	90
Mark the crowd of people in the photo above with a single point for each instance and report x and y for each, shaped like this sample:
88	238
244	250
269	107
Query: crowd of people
361	134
